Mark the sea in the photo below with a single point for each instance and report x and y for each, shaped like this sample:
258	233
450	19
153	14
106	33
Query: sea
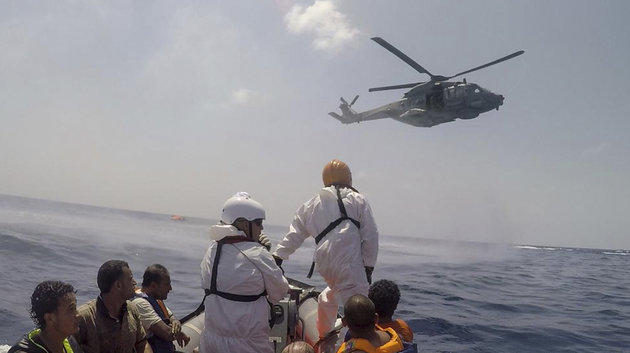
456	296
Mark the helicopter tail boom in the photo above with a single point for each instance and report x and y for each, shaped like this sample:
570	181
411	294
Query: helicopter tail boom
340	118
348	115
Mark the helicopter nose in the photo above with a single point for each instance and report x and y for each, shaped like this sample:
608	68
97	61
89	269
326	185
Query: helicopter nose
499	98
499	101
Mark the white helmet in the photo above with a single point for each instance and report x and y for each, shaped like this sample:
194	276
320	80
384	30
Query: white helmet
241	205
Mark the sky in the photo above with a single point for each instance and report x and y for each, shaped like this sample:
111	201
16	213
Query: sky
174	106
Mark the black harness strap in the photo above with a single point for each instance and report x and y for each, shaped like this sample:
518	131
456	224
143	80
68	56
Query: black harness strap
213	282
333	225
213	279
197	311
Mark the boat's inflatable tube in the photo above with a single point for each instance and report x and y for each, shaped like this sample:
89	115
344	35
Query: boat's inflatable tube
306	328
296	319
192	328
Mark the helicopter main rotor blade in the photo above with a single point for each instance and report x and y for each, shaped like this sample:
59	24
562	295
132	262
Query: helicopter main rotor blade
401	55
385	88
515	54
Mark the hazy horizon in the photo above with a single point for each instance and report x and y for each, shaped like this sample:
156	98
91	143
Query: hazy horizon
280	228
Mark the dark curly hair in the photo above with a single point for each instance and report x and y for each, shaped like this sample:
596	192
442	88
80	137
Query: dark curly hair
385	296
45	299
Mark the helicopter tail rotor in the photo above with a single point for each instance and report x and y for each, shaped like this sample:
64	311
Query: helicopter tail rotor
347	114
345	103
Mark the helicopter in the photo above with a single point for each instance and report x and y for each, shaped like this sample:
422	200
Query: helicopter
429	103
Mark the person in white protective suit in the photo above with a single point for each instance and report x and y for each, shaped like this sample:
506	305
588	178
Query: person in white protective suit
240	275
340	219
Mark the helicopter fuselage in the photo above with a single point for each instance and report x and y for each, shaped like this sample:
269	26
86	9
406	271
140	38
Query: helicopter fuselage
430	104
445	101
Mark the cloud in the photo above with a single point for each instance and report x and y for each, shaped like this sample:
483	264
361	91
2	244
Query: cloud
331	28
597	150
244	97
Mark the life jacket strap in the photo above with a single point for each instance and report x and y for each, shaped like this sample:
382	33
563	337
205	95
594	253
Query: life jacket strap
215	265
333	225
157	305
213	281
310	272
199	309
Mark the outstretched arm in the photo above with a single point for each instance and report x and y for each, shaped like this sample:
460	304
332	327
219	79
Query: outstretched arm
369	236
295	237
275	283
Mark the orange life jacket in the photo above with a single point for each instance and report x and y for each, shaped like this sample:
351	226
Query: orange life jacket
394	345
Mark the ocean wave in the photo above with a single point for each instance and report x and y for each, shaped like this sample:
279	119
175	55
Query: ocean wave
530	247
621	253
434	326
14	242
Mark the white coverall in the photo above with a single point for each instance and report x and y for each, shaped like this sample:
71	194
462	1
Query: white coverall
244	268
341	256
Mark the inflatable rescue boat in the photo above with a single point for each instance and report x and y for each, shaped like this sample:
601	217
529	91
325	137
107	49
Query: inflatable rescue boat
293	318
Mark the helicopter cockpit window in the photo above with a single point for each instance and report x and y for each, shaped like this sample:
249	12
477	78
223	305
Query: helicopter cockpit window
475	89
460	91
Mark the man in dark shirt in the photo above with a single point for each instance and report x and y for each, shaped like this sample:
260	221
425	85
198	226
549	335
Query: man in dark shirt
111	323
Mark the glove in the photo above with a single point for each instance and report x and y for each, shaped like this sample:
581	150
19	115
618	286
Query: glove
264	241
368	273
278	262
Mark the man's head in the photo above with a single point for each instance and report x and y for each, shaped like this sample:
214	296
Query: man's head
298	347
156	281
385	296
244	213
359	314
115	278
54	307
337	172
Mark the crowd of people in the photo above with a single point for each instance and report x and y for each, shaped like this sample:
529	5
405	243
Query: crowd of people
241	278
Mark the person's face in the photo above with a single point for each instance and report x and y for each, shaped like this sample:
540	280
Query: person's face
257	227
65	319
127	284
164	287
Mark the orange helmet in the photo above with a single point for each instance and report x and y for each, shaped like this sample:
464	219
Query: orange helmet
336	172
